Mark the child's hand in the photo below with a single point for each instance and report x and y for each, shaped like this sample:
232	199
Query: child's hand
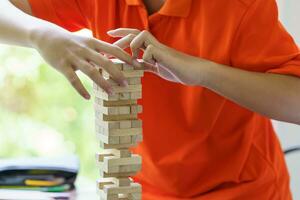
168	63
67	53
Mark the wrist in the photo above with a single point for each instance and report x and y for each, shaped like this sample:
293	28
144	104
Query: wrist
41	34
36	35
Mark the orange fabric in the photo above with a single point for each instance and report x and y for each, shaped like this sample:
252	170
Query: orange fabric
197	144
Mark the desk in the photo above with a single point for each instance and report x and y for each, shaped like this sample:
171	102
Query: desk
26	195
87	194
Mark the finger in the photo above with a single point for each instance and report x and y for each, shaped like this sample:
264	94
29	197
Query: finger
106	64
149	55
94	74
113	50
76	83
124	42
139	42
122	32
150	67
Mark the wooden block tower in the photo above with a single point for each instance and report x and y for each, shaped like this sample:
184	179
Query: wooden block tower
118	128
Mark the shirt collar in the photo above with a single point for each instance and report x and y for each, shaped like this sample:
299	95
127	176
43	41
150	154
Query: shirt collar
176	8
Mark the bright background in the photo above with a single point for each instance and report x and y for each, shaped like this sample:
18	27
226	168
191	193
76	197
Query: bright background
41	114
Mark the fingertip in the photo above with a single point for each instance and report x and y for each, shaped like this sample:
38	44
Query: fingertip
125	83
110	32
87	96
137	64
110	91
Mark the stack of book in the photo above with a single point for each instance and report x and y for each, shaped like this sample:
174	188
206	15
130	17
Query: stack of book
47	175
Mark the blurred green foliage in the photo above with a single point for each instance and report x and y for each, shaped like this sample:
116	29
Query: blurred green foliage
41	114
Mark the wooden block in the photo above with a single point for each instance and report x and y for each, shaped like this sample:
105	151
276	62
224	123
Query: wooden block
136	138
125	140
115	161
100	156
127	67
122	181
124	95
105	103
126	124
118	96
129	88
117	61
123	153
129	168
114	164
130	81
106	110
110	110
105	117
133	188
117	175
109	169
105	96
117	110
120	89
110	139
116	146
127	74
119	102
134	81
105	196
136	95
136	124
100	129
120	153
135	196
118	65
124	110
104	181
108	124
135	109
119	169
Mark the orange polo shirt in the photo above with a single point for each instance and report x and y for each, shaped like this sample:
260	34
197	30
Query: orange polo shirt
197	144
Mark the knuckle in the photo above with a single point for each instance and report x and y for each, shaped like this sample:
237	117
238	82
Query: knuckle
72	79
115	48
131	36
63	62
91	42
132	45
79	50
106	63
91	71
144	33
150	47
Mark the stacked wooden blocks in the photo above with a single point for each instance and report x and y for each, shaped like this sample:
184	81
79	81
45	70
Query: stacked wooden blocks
118	128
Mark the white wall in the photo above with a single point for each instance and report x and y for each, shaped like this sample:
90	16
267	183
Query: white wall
289	134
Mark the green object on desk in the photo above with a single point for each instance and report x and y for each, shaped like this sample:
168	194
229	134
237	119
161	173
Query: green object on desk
61	188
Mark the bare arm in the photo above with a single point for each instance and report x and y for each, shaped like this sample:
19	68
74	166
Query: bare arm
273	95
23	5
62	49
15	25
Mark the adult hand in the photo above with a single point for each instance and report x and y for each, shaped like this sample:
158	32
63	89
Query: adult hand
167	63
68	53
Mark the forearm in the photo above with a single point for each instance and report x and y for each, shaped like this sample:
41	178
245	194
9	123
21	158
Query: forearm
272	95
17	27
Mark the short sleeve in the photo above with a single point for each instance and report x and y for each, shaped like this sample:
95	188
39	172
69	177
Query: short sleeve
262	44
65	13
